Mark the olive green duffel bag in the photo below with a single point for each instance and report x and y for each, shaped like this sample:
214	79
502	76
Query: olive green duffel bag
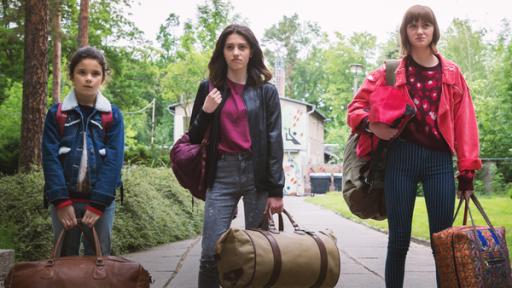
259	258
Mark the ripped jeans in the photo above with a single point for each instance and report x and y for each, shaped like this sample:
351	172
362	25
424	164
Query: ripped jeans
234	179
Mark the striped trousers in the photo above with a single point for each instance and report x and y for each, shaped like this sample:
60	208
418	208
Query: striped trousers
408	164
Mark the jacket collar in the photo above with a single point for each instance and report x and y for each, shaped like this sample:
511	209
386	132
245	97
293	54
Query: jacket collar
449	71
102	104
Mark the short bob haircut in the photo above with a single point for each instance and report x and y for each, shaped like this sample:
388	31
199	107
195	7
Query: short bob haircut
88	53
412	15
257	72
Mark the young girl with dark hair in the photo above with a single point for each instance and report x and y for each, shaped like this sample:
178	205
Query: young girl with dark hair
444	124
245	150
82	158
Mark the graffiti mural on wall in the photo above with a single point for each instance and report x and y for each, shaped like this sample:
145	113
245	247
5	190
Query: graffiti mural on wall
294	182
294	123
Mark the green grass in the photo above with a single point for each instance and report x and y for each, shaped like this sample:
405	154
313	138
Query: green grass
497	208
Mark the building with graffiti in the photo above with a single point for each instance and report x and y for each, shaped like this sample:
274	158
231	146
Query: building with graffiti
303	139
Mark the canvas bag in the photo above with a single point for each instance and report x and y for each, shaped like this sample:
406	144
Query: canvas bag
277	258
363	179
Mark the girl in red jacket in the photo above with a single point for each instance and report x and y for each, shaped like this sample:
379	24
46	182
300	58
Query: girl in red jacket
421	151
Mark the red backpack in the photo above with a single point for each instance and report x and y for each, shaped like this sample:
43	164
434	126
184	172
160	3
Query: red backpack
61	117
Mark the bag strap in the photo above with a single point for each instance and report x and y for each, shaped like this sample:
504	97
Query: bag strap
61	118
106	120
204	144
276	252
484	215
391	66
60	239
478	205
377	154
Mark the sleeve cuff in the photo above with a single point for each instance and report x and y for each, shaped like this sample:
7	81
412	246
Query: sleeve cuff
61	203
465	178
207	115
364	126
96	208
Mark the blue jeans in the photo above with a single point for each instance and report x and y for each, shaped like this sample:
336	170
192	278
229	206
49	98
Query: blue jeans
234	179
73	237
408	164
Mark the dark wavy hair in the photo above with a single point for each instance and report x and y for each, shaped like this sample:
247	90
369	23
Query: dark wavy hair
257	72
88	53
414	14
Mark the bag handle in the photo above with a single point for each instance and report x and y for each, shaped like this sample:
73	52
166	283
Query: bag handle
272	226
60	239
484	215
206	137
478	205
391	66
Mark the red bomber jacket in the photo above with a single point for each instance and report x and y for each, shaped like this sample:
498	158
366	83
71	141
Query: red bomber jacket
456	115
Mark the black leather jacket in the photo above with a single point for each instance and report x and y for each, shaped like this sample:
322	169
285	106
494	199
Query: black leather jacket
264	115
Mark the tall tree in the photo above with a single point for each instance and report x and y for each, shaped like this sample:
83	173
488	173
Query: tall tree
464	45
167	38
291	39
212	17
57	49
83	24
12	15
493	105
35	81
390	49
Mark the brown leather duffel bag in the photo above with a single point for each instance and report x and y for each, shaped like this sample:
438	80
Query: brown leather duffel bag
78	271
259	258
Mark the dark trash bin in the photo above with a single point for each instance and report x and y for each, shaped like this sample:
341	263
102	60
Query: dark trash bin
320	182
337	178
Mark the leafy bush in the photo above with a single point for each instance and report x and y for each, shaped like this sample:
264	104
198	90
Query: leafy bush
156	210
152	156
21	203
10	129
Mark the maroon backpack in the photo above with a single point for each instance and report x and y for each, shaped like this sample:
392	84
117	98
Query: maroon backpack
188	162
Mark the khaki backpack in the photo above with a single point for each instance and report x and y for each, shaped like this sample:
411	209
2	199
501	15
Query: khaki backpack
363	179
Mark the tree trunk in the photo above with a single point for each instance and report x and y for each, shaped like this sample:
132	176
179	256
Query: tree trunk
83	24
57	50
35	82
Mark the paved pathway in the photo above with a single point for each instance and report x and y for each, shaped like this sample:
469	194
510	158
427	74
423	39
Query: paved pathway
363	252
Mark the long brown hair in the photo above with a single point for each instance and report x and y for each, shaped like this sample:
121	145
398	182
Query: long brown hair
257	72
414	14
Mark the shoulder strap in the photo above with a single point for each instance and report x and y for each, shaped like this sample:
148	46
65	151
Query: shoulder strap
60	117
106	120
391	65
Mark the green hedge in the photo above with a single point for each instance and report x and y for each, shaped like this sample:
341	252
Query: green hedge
155	210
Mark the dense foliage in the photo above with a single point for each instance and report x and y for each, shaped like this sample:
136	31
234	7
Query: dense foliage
155	210
316	64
